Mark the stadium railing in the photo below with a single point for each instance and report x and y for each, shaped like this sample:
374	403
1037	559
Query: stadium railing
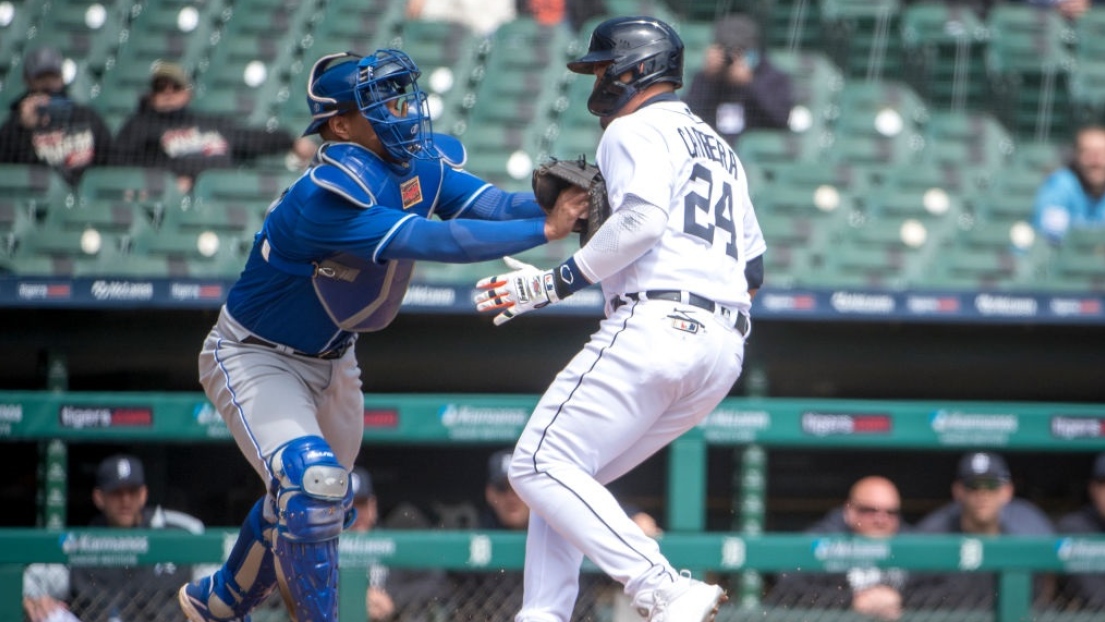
752	426
1013	559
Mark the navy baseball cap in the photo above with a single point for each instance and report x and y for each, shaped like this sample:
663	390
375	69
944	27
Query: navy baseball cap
120	471
331	88
498	466
983	465
361	482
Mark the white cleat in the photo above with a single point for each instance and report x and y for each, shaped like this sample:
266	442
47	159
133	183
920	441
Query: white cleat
687	601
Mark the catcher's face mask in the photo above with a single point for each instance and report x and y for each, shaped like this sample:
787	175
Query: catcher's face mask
388	96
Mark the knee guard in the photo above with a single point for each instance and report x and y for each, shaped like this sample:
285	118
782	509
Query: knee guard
313	495
245	580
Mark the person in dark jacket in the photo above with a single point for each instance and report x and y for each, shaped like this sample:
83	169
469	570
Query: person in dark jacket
738	89
143	593
1088	588
873	510
165	132
46	127
983	504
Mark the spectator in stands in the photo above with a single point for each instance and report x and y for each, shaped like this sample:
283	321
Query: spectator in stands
482	17
738	89
1074	196
984	504
145	593
47	127
873	510
1088	588
165	132
393	594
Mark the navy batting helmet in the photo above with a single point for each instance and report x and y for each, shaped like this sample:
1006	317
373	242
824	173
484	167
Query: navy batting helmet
645	47
330	88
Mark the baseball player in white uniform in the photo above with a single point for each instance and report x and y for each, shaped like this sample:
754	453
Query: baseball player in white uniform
679	260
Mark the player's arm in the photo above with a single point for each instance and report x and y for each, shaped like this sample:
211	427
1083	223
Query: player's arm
464	195
629	233
467	240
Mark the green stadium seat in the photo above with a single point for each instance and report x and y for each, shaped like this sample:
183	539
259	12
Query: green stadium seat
147	192
767	147
1037	159
862	36
1078	264
32	190
790	24
1087	92
817	83
944	47
220	187
1030	64
873	253
974	144
190	254
356	25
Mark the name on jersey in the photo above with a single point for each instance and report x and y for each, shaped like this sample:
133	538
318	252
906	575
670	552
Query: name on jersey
702	145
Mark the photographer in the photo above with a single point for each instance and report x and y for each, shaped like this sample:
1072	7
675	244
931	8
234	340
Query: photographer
738	89
46	127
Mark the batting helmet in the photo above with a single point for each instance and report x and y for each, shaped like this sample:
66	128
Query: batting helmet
330	88
388	96
645	47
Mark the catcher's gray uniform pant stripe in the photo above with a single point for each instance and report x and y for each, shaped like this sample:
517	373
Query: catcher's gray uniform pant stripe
652	371
268	398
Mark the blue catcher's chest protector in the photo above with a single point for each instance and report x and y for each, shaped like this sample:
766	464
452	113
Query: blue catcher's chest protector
358	291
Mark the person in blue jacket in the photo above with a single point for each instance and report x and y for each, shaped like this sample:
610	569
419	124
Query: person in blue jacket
1074	196
333	259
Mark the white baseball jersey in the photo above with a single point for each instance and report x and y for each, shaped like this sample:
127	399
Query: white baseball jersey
657	365
667	156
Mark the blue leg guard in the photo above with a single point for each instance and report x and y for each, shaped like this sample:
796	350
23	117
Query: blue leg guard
312	496
245	580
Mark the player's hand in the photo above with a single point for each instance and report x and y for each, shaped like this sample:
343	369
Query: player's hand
515	293
879	601
378	604
570	206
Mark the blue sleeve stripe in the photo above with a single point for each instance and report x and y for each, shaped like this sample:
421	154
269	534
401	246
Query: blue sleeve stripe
471	200
388	237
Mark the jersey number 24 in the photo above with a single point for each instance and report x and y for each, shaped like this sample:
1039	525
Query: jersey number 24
721	211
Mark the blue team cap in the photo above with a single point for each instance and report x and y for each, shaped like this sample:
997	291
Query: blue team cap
331	88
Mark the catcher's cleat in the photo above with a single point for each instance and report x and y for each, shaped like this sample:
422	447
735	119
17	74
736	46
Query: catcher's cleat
687	601
193	599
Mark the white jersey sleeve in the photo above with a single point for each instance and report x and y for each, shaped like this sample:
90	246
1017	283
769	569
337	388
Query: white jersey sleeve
665	155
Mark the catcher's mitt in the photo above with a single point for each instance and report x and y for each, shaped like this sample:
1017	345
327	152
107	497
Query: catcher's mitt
553	176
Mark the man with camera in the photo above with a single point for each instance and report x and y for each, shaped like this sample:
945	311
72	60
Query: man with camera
46	127
738	88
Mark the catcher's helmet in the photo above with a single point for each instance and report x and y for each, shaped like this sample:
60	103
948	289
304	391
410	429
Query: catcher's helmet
390	77
330	87
646	47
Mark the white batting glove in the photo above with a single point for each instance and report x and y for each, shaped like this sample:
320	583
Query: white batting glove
518	292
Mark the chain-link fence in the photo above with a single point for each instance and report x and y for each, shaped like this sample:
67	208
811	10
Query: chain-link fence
148	594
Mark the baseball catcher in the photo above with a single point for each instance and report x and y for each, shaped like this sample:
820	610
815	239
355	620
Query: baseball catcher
554	176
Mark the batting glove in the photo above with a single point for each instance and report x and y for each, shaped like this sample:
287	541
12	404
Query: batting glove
518	292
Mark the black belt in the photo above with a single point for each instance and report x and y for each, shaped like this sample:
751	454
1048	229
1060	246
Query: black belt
329	355
690	298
